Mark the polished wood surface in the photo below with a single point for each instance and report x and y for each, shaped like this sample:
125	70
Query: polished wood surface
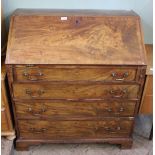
147	99
75	76
74	110
73	73
74	129
6	119
74	91
4	123
149	54
77	40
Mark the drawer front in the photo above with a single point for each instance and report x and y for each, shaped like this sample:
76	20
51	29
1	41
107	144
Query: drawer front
74	91
39	73
74	129
73	110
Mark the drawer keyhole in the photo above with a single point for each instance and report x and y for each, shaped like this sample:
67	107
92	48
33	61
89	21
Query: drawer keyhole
77	22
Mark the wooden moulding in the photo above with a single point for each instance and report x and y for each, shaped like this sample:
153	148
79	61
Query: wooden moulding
22	145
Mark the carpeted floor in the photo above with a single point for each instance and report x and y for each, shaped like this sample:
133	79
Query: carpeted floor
6	146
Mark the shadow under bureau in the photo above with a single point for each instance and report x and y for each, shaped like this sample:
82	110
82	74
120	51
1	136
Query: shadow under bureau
75	76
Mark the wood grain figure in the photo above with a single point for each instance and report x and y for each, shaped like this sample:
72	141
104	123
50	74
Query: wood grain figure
75	76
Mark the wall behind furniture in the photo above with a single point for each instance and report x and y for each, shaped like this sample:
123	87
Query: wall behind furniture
143	7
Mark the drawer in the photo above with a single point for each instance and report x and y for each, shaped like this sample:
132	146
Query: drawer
71	110
43	129
73	91
74	73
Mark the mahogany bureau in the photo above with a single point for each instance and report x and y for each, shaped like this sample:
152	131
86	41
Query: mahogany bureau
75	76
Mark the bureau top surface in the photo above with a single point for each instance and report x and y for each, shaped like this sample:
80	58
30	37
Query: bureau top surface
75	37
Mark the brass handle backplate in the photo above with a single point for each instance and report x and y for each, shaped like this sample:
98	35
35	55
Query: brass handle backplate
118	93
121	109
112	129
109	109
119	76
32	77
38	131
36	113
32	93
118	111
